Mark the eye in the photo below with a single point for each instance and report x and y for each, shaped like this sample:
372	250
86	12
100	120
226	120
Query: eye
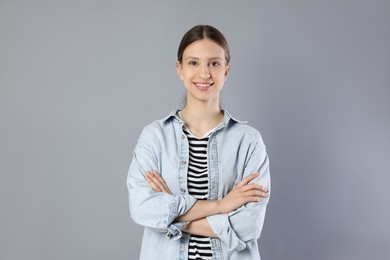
214	64
192	63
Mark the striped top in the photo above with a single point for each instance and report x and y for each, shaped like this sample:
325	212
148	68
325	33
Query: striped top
198	186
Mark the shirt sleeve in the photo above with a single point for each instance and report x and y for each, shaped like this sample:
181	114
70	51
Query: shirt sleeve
245	224
148	208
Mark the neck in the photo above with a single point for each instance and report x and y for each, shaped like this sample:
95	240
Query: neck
201	117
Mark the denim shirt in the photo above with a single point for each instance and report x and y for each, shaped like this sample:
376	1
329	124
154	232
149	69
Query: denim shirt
235	151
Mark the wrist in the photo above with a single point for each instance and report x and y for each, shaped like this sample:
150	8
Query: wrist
219	206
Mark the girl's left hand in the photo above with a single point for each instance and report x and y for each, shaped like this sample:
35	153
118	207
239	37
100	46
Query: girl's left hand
157	182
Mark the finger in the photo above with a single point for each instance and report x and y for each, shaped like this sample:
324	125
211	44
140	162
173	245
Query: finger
147	177
248	191
161	182
152	183
250	199
248	179
166	188
262	188
254	186
156	181
158	177
255	193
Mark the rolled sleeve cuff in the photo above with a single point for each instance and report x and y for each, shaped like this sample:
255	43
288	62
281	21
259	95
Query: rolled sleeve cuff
221	227
175	230
179	206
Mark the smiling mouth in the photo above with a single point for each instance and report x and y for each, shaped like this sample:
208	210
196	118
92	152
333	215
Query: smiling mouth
203	86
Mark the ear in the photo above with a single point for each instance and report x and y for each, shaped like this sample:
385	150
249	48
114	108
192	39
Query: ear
227	70
179	70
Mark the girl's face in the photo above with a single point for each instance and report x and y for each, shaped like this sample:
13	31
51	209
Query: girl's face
203	70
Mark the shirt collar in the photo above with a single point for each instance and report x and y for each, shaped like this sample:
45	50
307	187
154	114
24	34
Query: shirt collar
226	119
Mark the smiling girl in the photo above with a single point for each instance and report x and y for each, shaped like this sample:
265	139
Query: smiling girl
199	179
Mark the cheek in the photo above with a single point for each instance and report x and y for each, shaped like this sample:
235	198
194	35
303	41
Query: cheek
220	74
187	74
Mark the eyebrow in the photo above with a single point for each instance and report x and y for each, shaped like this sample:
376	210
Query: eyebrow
195	58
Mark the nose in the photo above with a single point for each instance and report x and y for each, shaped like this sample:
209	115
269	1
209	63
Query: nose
204	71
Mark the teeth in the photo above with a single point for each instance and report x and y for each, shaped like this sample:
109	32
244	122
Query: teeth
203	85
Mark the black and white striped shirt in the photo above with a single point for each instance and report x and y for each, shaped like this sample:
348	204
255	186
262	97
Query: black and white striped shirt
198	183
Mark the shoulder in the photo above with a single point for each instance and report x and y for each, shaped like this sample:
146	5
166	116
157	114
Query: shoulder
247	134
153	127
160	127
242	129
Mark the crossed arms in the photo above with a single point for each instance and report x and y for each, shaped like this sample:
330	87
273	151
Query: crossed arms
240	195
236	219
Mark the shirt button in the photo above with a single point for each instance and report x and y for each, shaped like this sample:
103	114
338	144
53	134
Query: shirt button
183	248
182	137
183	162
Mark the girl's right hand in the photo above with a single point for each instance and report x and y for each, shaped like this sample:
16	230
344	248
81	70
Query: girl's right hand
242	194
156	182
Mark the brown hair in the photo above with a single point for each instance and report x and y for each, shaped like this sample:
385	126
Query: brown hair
200	32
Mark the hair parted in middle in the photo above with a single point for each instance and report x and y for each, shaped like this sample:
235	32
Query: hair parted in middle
200	32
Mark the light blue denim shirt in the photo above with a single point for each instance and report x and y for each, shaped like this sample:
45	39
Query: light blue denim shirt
235	151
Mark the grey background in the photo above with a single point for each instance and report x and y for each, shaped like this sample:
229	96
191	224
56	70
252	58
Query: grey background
79	80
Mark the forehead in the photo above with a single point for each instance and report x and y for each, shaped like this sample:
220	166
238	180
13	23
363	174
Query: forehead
205	48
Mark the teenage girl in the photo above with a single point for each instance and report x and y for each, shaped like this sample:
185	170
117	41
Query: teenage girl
199	179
